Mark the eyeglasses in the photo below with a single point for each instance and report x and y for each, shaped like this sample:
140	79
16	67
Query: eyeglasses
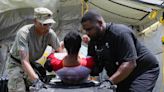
48	24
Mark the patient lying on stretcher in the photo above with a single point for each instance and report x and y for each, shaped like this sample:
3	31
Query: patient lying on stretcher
71	67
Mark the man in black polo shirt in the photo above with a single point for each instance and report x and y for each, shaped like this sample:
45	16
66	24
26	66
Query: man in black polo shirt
128	63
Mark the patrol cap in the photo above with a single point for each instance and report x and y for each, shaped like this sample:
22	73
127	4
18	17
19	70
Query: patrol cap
43	15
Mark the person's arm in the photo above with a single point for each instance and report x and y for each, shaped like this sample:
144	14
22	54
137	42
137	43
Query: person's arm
27	66
98	66
54	42
23	51
126	54
123	71
61	48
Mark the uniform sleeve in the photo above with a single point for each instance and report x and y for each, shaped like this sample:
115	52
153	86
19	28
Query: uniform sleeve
54	41
21	43
21	40
125	47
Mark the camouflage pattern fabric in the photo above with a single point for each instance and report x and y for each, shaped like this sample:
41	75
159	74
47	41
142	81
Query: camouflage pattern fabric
17	77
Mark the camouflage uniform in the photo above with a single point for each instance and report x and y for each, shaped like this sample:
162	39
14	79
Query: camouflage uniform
16	81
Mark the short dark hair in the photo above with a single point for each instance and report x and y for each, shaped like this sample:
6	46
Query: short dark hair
91	15
72	42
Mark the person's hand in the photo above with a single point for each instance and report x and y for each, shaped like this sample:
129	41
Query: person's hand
106	84
37	85
62	44
85	39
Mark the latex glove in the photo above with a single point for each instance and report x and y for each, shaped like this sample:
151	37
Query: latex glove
85	39
37	85
62	44
106	84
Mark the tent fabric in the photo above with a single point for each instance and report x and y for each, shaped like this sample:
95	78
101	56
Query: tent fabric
12	20
67	13
6	5
124	11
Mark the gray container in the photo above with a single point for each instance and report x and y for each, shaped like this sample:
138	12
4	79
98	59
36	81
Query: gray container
3	84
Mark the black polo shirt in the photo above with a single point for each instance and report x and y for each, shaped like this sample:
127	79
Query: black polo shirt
118	45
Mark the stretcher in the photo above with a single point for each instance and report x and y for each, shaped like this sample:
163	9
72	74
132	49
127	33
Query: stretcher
90	86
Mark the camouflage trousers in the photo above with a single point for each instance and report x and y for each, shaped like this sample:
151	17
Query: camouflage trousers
18	80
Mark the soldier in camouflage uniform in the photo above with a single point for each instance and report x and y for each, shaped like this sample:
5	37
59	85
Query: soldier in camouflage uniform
30	43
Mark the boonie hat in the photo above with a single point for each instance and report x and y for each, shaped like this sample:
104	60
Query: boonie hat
43	15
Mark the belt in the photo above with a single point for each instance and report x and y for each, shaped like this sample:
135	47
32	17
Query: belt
36	66
17	60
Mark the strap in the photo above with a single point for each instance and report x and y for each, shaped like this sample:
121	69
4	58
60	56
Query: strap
17	60
37	68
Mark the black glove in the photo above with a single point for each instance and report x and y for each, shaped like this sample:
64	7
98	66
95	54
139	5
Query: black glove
37	85
106	84
47	65
40	71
